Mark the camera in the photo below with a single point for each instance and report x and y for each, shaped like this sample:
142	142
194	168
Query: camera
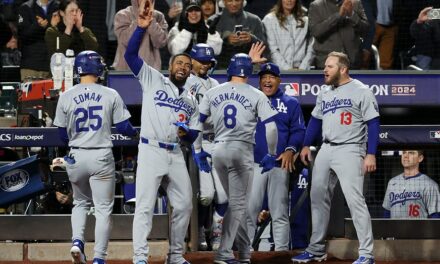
63	187
434	13
238	29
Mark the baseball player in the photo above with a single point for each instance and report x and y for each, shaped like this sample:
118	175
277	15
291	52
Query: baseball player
199	83
347	114
84	116
291	128
234	108
169	114
411	194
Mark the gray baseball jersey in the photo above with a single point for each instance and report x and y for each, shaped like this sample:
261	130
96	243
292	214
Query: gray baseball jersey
88	111
344	112
412	197
162	105
198	87
234	109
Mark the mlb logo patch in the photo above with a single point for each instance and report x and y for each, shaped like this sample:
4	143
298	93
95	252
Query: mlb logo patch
291	89
434	134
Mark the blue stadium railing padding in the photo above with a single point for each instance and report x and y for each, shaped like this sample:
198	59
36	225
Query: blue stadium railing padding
391	135
391	88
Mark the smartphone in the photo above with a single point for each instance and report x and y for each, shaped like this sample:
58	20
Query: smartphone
238	29
434	13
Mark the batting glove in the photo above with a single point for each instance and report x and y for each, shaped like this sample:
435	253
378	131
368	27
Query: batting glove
182	125
267	163
201	159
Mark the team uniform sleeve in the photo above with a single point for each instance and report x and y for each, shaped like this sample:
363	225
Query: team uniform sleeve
194	122
369	106
431	197
204	110
120	112
60	114
386	201
265	108
317	110
297	128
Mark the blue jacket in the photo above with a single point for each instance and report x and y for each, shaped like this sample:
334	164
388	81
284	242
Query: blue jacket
290	124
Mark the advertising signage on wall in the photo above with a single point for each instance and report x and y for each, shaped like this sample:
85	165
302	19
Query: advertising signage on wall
407	88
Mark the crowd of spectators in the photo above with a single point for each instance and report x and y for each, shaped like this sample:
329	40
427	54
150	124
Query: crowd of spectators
298	33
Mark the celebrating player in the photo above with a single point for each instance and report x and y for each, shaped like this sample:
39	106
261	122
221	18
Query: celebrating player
84	117
168	114
290	125
234	108
412	194
346	112
199	83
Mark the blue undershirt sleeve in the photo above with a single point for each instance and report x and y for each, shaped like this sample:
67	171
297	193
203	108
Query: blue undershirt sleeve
131	54
202	118
313	132
126	128
386	213
373	135
62	132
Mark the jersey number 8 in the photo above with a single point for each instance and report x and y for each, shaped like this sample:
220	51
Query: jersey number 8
230	112
87	114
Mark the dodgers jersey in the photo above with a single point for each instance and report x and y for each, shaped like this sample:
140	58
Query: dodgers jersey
198	86
234	108
344	112
412	197
88	111
169	105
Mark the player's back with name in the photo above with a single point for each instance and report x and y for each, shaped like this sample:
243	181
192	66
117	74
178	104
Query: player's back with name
88	109
234	108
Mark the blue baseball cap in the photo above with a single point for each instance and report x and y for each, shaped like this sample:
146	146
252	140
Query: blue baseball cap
270	68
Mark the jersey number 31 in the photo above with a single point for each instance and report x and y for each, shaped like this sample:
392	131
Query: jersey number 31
84	114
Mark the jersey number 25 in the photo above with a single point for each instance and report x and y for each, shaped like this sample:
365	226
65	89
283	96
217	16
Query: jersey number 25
84	114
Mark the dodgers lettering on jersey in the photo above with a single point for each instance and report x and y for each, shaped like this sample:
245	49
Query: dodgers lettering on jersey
170	104
335	104
178	104
88	111
234	108
412	197
344	112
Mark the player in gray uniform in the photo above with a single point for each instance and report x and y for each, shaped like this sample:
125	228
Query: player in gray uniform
199	82
84	116
412	194
165	103
347	113
234	108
